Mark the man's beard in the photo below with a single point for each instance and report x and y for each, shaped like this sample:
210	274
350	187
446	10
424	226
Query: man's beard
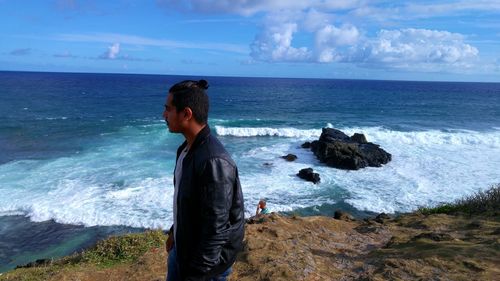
168	127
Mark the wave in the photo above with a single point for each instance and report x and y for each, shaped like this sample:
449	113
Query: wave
125	178
144	203
266	131
375	134
431	137
52	118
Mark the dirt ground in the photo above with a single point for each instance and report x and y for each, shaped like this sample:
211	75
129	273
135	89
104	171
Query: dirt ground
411	247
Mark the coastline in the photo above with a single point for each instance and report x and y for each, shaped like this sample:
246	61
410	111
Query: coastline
454	241
27	241
24	241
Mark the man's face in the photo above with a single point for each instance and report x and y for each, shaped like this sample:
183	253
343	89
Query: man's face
172	117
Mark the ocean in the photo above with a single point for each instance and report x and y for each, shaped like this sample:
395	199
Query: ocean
83	156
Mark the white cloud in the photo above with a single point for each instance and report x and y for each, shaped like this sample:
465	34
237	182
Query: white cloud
330	37
112	52
275	44
313	20
412	49
275	41
451	7
247	8
145	41
379	9
415	48
408	10
330	31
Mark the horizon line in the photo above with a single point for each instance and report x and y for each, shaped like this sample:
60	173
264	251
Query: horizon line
259	77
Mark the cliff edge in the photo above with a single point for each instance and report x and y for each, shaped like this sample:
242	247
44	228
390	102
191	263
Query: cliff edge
459	241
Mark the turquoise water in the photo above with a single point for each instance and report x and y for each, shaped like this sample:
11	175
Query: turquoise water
92	149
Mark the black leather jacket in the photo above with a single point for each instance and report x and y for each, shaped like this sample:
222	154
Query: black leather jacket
210	213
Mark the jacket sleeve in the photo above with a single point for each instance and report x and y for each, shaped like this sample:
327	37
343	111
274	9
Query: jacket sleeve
216	192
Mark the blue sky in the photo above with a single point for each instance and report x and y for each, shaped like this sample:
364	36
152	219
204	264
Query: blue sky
450	40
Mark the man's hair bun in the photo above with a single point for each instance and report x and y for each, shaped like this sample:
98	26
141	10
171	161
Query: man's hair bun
202	84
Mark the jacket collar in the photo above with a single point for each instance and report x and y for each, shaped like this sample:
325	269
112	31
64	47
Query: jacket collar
200	137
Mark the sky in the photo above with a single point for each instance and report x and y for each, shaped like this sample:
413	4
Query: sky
452	40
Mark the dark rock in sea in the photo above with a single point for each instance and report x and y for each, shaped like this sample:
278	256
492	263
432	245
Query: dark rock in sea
341	215
308	175
338	150
306	145
39	262
267	164
290	157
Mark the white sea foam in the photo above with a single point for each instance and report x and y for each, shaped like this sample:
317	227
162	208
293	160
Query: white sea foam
110	184
428	167
127	179
52	118
374	134
431	137
89	200
264	131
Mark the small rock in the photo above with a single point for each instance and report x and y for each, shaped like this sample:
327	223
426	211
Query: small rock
382	217
306	145
344	216
290	157
433	236
308	175
474	224
367	228
496	231
473	266
391	242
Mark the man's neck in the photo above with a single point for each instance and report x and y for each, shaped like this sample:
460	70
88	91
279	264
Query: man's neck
191	133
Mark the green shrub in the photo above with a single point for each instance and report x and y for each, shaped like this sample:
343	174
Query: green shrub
122	248
483	202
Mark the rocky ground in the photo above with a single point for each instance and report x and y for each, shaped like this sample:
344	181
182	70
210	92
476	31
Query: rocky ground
409	247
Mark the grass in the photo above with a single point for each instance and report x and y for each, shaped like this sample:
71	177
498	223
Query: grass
117	249
106	253
481	203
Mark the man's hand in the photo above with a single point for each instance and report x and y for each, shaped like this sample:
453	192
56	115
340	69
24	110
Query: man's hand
170	242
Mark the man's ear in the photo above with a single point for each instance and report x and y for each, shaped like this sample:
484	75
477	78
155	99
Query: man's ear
188	113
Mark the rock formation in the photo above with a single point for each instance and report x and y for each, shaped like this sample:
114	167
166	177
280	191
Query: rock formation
338	150
309	175
290	157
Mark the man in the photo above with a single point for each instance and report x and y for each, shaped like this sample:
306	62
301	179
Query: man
208	224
